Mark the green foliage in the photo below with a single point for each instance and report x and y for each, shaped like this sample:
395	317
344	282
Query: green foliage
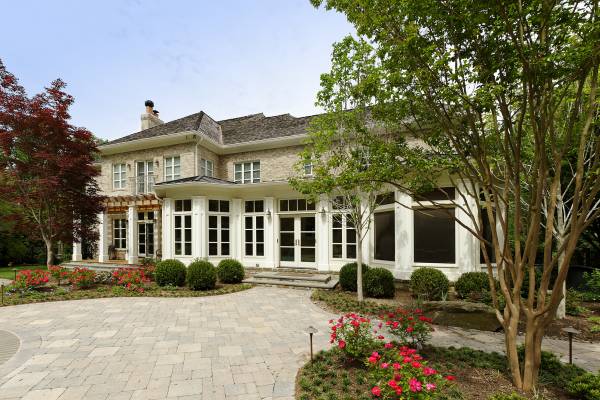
585	387
503	396
472	285
348	276
379	282
230	271
341	302
170	272
592	281
552	371
201	275
429	283
573	305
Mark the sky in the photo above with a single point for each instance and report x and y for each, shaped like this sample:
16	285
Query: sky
228	58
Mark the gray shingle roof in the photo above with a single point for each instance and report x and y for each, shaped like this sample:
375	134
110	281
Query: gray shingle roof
228	131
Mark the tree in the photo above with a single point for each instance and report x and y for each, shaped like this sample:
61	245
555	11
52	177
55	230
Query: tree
504	94
340	173
47	164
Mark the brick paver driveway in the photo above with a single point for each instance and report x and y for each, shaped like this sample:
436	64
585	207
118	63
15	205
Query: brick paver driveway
246	345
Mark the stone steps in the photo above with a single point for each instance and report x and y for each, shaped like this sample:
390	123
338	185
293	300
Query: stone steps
293	279
96	266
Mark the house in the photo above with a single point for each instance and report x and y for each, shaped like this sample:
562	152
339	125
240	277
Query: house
198	187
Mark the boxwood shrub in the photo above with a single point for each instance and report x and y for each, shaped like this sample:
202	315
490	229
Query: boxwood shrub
230	271
379	282
429	283
201	275
472	285
348	276
170	272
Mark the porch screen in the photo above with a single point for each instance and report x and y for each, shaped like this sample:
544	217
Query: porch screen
385	247
434	236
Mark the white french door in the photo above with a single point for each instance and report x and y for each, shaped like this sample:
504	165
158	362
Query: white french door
297	241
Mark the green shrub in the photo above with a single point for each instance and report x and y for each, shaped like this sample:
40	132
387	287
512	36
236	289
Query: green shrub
230	271
585	386
429	283
573	305
503	396
170	272
201	275
348	276
379	282
592	281
472	285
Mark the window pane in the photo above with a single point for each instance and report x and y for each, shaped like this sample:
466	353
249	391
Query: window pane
212	249
434	236
385	198
307	223
337	236
178	205
225	235
249	206
178	221
351	251
336	220
248	235
188	235
350	236
259	222
212	221
287	224
260	235
287	254
224	204
249	249
283	205
177	248
307	239
238	168
187	205
224	222
259	206
445	193
188	249
260	249
287	238
188	221
384	236
213	205
248	222
301	205
307	254
293	205
225	249
310	206
212	235
238	177
337	251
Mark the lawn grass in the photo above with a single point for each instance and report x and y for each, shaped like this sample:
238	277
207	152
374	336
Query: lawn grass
8	273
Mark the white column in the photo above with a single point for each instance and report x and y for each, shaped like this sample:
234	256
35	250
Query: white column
132	251
235	230
102	237
271	242
322	234
76	251
167	229
404	235
202	228
197	236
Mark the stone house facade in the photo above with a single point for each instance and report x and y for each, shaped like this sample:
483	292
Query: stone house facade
200	188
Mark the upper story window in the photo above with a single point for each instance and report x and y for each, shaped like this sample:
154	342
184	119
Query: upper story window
308	169
247	172
119	176
145	176
172	168
206	168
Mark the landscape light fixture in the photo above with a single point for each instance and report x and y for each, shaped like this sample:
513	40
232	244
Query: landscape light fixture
311	330
571	332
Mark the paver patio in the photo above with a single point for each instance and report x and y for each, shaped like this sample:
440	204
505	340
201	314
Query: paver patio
246	345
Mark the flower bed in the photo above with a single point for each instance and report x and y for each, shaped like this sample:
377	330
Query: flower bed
82	278
30	279
133	279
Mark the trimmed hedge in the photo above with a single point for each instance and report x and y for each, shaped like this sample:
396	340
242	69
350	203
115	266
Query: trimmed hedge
201	275
170	272
379	282
472	285
429	283
348	276
230	271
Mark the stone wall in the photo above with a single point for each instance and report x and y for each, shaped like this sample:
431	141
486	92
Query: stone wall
275	164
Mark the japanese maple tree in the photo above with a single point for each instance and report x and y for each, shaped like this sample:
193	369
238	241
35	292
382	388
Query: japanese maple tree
46	164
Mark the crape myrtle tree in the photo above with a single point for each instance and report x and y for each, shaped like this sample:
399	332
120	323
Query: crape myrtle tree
47	164
341	170
504	95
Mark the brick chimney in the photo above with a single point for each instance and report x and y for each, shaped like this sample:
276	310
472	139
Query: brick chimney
150	117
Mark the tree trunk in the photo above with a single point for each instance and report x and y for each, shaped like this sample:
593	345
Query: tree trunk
533	353
510	340
359	277
49	252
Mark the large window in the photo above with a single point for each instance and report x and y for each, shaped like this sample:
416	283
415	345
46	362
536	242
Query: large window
206	168
247	172
218	228
183	227
343	237
434	235
120	234
254	228
385	231
119	176
172	168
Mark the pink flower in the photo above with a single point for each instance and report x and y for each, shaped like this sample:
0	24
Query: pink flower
430	386
372	360
428	371
389	345
409	329
376	391
385	365
415	385
396	366
341	344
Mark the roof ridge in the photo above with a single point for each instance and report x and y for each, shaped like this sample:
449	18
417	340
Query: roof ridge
242	117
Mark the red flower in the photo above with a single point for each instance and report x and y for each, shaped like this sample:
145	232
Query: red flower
376	391
450	378
341	344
